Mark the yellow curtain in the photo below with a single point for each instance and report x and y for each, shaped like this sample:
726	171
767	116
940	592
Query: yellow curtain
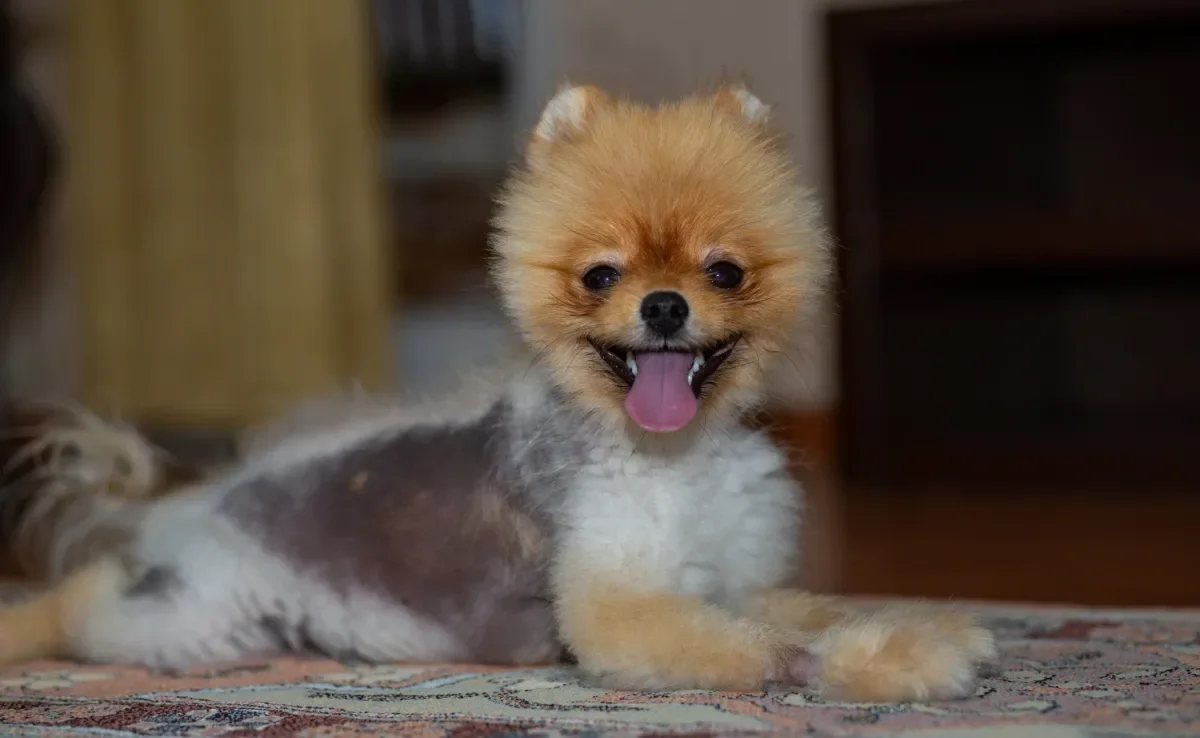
226	204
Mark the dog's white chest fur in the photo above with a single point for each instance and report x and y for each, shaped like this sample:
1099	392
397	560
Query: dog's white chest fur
715	521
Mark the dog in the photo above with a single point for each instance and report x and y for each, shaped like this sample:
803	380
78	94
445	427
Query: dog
607	498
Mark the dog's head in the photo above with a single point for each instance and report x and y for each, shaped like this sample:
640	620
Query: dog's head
658	258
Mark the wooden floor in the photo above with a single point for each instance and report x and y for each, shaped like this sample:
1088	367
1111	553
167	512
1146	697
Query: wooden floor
1132	547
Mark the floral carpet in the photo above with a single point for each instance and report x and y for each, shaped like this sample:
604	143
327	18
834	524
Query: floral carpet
1063	674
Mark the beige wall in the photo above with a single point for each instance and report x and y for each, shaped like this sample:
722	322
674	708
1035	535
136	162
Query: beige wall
200	282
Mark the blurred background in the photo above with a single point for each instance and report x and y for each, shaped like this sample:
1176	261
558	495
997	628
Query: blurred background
214	209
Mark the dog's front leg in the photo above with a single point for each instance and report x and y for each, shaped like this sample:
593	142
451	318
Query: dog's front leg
633	638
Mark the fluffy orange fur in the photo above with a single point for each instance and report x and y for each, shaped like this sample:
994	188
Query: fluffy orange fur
41	627
663	640
662	193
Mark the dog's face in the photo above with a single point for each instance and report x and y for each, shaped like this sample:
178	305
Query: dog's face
657	259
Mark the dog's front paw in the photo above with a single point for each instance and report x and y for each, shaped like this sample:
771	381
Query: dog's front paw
902	655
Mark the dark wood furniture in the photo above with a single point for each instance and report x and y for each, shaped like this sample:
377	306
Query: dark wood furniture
26	163
1018	197
433	55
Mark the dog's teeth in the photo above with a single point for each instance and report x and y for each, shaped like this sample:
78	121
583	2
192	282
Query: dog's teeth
632	364
697	363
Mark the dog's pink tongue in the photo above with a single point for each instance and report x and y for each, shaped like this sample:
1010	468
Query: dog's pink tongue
661	399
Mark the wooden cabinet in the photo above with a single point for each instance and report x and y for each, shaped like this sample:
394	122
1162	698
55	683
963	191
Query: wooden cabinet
1018	195
1018	198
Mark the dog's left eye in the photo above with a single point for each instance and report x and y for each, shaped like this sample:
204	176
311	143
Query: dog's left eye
601	278
724	275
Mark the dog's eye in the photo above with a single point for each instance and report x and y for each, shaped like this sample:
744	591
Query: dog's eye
601	278
724	275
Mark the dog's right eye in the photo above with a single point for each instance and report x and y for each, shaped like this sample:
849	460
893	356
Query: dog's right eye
601	278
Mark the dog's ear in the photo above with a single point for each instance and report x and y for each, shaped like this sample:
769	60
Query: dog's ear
738	100
566	116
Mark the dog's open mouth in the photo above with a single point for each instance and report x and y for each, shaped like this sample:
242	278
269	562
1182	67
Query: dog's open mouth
665	384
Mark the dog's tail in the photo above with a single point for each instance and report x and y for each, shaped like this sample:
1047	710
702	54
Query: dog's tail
74	486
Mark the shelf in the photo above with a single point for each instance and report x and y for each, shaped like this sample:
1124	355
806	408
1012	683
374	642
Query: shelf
1040	241
1016	192
1065	459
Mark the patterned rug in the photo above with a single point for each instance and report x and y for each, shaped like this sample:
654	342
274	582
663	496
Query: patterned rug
1064	674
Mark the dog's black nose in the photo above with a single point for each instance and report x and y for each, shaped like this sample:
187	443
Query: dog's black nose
664	312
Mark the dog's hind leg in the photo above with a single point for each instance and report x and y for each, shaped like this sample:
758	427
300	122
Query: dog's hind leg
45	625
112	611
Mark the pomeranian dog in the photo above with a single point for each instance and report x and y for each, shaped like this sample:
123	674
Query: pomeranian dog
607	499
